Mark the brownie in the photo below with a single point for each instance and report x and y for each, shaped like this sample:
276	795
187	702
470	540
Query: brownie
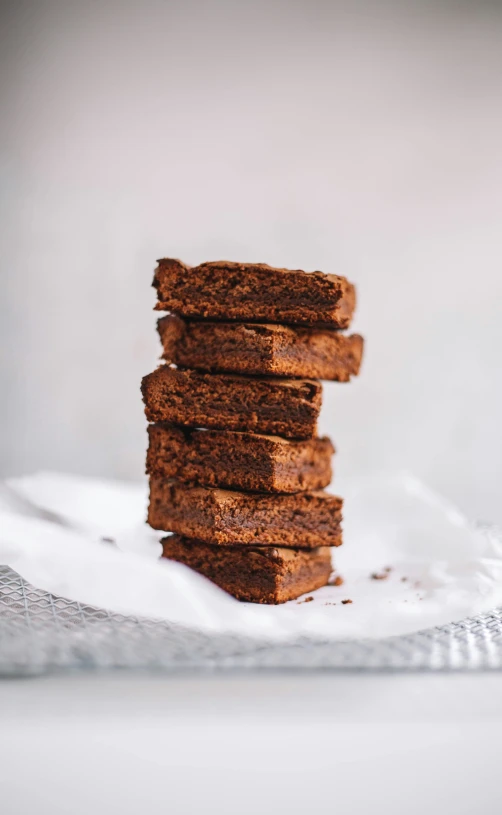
303	520
253	292
242	461
263	350
277	407
257	574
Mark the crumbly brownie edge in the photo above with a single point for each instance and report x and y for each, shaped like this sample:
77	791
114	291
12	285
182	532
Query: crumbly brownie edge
251	574
260	349
301	521
254	292
304	466
212	458
280	407
239	461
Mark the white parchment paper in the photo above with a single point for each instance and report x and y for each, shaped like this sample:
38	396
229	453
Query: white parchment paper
86	539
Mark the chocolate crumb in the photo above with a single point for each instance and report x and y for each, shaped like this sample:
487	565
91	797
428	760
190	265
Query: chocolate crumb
388	569
307	600
380	575
346	601
336	581
404	579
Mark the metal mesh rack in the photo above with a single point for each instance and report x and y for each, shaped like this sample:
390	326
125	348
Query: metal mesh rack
41	633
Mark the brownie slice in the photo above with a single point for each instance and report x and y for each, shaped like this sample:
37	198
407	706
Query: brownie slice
254	292
242	461
275	350
277	407
303	520
256	574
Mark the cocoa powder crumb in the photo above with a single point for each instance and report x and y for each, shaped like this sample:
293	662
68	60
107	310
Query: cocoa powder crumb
344	602
336	581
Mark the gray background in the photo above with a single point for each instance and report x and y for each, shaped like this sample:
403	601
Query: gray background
362	139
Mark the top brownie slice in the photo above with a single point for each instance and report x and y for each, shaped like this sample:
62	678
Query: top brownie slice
254	292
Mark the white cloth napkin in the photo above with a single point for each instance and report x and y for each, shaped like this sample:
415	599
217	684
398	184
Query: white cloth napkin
86	539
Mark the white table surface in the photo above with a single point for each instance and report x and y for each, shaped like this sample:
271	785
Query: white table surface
235	745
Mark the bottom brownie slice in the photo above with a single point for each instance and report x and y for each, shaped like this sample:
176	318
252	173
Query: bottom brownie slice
256	574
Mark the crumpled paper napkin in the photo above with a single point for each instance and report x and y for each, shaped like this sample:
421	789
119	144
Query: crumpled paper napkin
409	561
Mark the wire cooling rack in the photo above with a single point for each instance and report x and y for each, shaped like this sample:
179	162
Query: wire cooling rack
41	633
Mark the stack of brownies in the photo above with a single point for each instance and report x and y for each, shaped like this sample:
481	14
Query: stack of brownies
236	469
